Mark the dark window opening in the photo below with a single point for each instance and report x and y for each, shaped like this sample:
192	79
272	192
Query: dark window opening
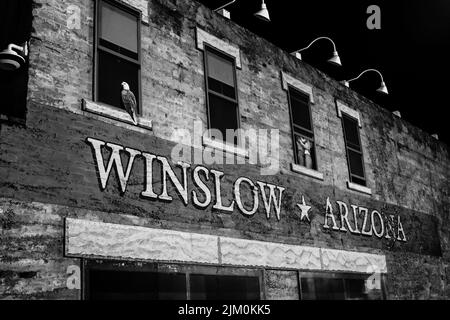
117	53
300	109
351	132
355	161
220	115
354	152
331	286
112	71
222	102
216	287
135	285
302	129
114	280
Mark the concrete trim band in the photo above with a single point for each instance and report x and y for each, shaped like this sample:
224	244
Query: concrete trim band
95	239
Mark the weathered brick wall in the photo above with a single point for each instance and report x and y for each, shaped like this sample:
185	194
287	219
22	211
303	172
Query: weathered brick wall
173	96
48	171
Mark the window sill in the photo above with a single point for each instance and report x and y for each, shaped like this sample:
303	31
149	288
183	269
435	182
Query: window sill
115	114
307	172
208	142
359	188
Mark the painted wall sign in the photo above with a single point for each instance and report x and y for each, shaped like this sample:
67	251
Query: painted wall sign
342	217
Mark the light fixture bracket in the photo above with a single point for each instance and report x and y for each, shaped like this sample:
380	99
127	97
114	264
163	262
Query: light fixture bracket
10	59
382	89
335	59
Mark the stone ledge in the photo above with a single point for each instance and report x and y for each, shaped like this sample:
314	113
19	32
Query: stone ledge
107	240
142	6
115	114
307	172
268	254
359	188
208	142
205	37
287	80
342	108
340	260
84	238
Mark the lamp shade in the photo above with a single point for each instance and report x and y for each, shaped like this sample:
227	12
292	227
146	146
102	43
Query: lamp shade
10	60
263	14
383	89
335	59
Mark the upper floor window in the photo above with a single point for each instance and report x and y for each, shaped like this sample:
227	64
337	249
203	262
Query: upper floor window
302	129
354	150
222	99
117	51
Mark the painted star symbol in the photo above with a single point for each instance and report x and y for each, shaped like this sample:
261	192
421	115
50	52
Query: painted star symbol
304	209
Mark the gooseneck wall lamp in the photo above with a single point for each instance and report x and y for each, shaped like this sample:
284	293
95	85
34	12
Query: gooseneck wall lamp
10	59
382	89
333	60
262	14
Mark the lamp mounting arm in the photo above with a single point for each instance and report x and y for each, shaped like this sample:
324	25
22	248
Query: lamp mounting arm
315	40
365	71
23	49
225	5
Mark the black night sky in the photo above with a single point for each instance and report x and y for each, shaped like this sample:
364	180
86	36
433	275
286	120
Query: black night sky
412	49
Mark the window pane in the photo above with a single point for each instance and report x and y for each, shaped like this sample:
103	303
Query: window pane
133	285
357	180
356	289
329	289
300	110
351	132
112	71
118	27
171	286
223	114
221	88
212	287
308	289
220	69
356	163
341	286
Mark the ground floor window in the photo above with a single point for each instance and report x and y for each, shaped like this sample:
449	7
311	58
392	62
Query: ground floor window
341	286
112	280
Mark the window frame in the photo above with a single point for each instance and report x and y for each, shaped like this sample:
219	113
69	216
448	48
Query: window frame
348	147
209	48
294	126
97	46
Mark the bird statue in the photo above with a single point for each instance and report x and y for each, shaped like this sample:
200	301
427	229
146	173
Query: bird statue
129	101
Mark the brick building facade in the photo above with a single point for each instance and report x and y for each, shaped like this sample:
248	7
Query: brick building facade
63	224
